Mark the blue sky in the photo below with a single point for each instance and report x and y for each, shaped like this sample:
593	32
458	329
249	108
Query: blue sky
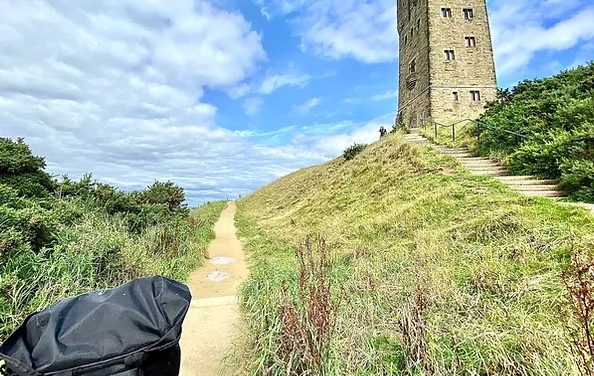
224	96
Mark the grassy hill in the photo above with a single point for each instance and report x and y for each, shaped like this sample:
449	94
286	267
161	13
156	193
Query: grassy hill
423	269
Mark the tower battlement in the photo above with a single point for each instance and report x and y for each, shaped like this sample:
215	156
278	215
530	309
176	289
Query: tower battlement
447	72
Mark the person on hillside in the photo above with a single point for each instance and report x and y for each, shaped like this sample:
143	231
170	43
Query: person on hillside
383	131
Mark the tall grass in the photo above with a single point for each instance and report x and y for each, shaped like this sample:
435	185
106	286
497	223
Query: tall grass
98	251
440	272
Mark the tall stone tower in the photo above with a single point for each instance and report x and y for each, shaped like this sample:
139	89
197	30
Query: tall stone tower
447	72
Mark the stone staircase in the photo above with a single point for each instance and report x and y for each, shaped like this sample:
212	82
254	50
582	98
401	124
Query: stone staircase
527	185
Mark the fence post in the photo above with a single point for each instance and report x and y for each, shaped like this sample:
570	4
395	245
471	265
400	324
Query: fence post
435	124
453	133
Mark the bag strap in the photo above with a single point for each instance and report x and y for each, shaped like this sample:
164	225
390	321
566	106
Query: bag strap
132	362
132	372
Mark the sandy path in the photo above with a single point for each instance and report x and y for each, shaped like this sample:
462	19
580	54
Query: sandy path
214	313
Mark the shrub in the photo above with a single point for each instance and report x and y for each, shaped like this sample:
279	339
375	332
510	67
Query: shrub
543	154
555	113
578	178
165	193
352	151
84	188
23	171
8	195
60	238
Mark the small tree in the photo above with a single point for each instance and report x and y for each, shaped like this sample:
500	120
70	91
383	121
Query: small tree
22	170
165	193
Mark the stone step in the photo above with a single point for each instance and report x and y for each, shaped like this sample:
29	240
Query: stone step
533	187
477	159
455	152
486	168
543	193
518	179
494	174
479	163
528	185
450	150
457	155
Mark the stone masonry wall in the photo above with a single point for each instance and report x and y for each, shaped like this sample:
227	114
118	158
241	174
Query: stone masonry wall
473	67
437	79
414	93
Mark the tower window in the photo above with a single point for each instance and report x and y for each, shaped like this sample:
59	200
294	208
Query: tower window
419	24
470	41
450	55
475	95
455	96
468	13
446	12
412	32
405	40
412	67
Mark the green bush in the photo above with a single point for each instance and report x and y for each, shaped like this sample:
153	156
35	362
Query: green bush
23	171
352	151
578	178
165	193
543	154
557	116
8	195
63	237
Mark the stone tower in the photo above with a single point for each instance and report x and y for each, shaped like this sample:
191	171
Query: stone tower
447	72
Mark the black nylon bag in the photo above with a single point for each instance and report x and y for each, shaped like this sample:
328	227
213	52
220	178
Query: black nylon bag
131	330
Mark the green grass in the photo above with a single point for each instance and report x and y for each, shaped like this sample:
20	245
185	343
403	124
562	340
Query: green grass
98	251
406	226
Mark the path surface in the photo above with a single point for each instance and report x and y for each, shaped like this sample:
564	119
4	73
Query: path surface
527	185
214	312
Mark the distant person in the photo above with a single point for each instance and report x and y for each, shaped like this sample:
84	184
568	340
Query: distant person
383	131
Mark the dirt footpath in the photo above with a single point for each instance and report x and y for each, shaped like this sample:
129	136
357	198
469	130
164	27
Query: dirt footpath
213	317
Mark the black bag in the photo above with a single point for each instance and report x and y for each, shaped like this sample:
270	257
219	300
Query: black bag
130	330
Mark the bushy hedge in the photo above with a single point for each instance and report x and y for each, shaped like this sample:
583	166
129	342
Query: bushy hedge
557	116
352	151
62	237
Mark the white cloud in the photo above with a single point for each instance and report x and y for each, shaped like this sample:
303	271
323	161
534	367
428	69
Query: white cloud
309	105
340	135
323	141
239	91
116	88
360	29
252	106
275	82
388	95
523	29
268	85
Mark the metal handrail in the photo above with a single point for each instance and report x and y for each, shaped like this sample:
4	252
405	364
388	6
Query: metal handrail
479	124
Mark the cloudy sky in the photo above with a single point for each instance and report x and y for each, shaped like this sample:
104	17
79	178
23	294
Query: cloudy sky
223	96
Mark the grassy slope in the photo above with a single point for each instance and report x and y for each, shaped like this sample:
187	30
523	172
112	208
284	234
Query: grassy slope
99	252
405	222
